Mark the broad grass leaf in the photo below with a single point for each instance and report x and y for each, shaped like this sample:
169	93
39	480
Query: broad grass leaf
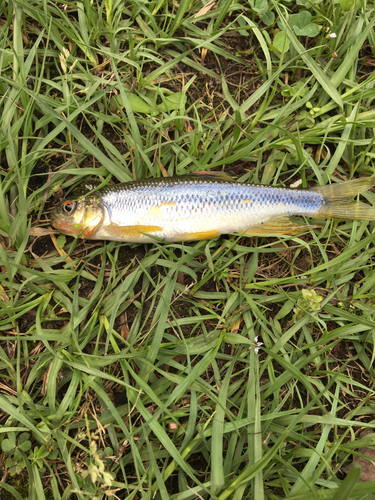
304	18
6	58
268	18
12	491
260	6
301	24
242	22
217	469
137	104
261	39
25	446
346	4
9	444
235	338
281	42
172	102
349	483
309	30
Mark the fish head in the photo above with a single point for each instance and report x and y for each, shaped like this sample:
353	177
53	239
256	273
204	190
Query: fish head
78	217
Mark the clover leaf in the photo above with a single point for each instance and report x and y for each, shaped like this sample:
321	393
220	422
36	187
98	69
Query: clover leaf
281	42
302	25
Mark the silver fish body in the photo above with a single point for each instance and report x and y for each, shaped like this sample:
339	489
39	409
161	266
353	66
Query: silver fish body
203	206
192	205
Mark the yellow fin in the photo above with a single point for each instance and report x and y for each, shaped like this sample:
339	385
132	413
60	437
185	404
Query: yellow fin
337	205
130	231
347	210
215	175
204	235
345	189
281	225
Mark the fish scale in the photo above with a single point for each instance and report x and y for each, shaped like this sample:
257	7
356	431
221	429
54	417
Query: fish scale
203	206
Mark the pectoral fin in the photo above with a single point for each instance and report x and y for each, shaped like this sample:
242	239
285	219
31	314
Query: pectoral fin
281	225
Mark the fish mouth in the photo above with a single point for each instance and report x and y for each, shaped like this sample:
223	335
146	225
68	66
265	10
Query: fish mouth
60	225
71	228
57	223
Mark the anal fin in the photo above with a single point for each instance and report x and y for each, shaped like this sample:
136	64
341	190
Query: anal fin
203	235
275	227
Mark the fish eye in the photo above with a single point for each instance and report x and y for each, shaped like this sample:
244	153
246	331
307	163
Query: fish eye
69	206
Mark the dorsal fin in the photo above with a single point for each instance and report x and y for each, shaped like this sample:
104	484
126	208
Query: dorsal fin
213	175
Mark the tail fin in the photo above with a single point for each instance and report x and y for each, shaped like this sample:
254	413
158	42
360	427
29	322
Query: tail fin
337	204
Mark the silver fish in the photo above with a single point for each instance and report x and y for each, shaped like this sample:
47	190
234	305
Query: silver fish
203	206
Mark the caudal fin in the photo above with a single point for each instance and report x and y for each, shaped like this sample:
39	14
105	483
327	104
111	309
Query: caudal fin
337	204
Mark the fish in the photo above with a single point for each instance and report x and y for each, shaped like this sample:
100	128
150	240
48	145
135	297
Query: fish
203	206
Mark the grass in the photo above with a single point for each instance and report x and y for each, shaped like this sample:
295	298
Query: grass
129	371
